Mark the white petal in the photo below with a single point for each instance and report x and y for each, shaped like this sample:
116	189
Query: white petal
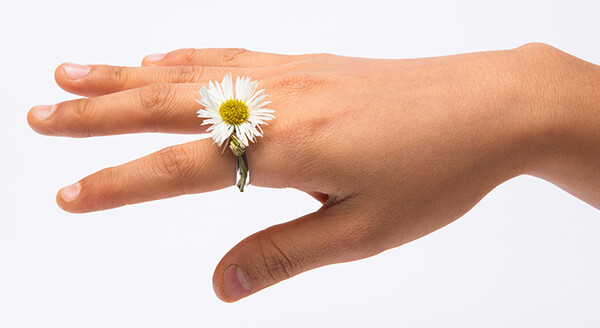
247	87
241	135
221	132
255	101
261	110
227	86
240	88
259	106
256	94
256	121
210	99
261	116
252	128
217	92
209	121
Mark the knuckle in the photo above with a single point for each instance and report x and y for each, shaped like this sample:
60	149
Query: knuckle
155	97
186	74
117	73
108	189
537	46
82	107
110	176
356	236
234	56
364	236
295	84
174	162
300	129
318	58
280	145
309	133
275	263
189	55
107	174
75	117
322	55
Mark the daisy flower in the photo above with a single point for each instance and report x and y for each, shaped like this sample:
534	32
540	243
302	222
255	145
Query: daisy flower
238	113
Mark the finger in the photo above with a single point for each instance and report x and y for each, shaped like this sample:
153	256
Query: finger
192	167
160	107
222	57
154	108
335	234
95	80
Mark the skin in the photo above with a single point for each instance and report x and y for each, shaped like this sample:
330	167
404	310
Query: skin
394	149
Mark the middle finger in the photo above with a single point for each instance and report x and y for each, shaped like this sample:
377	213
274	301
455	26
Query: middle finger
96	80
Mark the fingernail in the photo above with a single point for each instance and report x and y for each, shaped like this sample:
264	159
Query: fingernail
155	57
236	283
70	193
42	112
75	71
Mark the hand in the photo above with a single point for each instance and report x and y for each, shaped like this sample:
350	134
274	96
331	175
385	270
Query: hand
394	149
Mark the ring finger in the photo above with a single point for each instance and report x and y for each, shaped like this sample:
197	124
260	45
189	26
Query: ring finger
193	167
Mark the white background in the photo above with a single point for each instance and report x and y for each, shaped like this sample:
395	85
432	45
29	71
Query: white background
527	255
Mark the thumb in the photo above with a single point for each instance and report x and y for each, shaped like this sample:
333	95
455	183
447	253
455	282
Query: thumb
333	234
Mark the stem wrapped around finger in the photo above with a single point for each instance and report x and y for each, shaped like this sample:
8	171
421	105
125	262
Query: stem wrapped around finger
239	151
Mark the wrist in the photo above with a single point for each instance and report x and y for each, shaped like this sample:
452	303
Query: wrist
562	97
524	120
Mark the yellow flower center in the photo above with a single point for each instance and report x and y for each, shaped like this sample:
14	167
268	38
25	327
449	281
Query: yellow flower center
234	112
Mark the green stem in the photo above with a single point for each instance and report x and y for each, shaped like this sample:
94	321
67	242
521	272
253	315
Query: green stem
242	161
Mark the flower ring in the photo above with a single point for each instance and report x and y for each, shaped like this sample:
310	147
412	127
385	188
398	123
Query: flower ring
235	117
